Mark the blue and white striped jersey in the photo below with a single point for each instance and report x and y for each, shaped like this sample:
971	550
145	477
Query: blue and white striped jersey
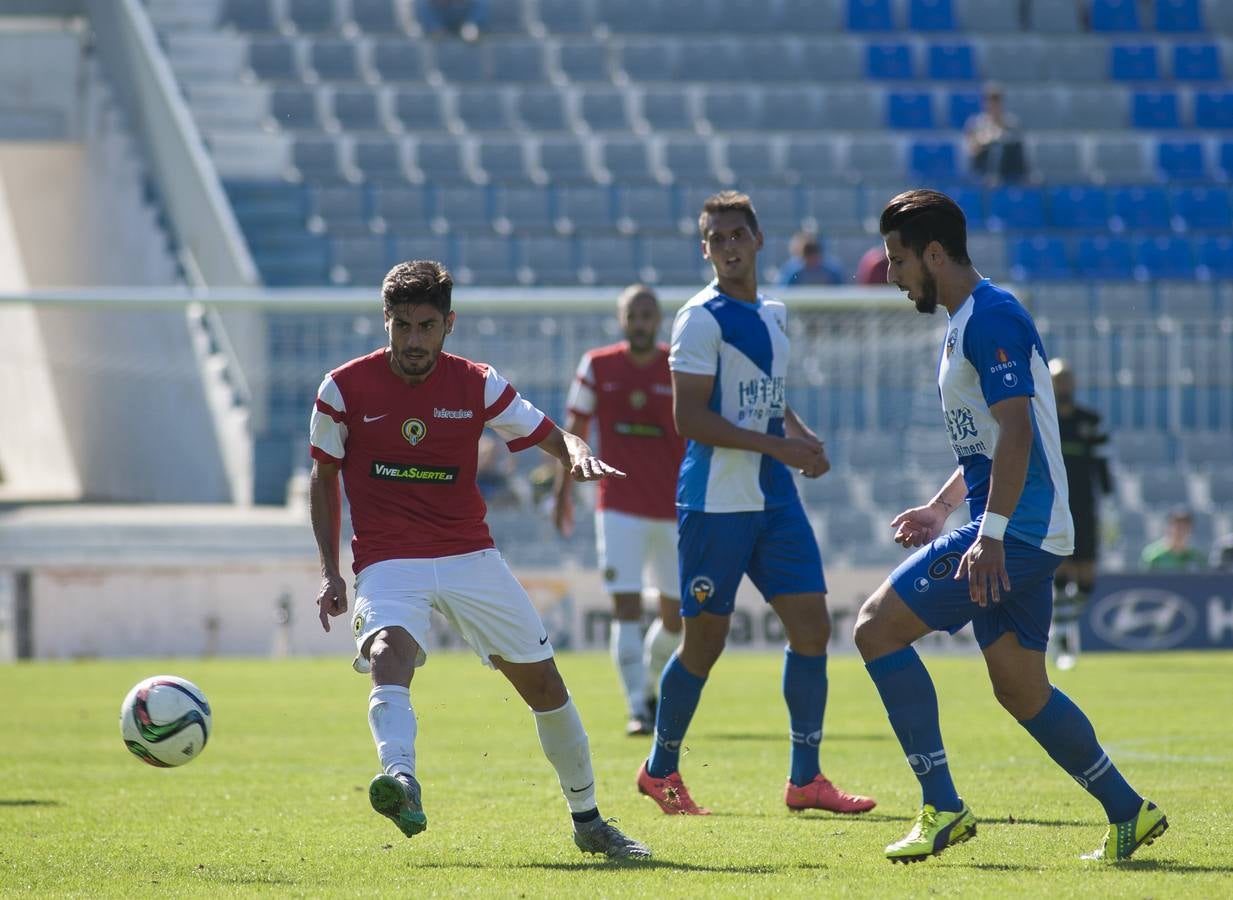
745	346
992	352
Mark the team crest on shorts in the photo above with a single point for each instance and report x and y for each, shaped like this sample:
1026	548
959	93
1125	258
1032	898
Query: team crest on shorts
921	584
951	340
414	430
701	589
358	625
610	574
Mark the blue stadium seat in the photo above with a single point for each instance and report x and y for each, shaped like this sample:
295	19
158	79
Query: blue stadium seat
1078	207
1155	109
462	209
357	109
909	109
334	59
1203	208
1164	258
627	160
689	159
504	160
604	108
647	209
870	15
889	61
313	15
519	62
1114	15
1181	160
751	161
1141	208
1016	208
341	209
485	260
506	18
1134	62
399	60
961	106
933	161
831	208
363	260
610	260
931	15
790	109
1104	258
423	244
1178	15
1226	159
541	109
1197	62
405	209
419	110
461	62
1216	257
248	15
273	59
667	108
635	16
951	62
565	16
440	160
972	201
729	108
587	209
812	158
550	260
651	59
1040	259
564	161
673	260
484	108
523	210
584	60
295	108
376	16
316	159
1213	109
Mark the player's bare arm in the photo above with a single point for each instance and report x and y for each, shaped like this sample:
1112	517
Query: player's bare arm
325	508
920	525
563	494
696	421
576	456
984	565
794	427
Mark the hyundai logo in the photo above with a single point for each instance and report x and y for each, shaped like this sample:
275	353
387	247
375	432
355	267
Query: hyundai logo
1144	619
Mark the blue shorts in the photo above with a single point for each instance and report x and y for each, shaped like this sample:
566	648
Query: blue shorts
925	581
775	547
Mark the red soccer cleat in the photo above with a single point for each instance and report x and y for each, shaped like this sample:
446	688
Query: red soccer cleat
670	793
821	794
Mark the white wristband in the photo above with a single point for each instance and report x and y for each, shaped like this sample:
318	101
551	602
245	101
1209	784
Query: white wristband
993	526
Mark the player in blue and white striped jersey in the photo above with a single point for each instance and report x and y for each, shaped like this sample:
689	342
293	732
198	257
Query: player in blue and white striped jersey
738	511
997	571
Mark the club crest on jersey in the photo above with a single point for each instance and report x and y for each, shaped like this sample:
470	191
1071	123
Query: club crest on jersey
701	589
951	340
358	625
637	399
414	430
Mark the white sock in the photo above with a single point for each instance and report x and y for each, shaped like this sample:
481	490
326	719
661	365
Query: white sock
658	648
625	643
565	744
393	725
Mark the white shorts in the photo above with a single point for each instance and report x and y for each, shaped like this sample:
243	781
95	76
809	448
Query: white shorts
476	592
636	553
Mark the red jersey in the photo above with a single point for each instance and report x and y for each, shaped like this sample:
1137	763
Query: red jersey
632	406
408	453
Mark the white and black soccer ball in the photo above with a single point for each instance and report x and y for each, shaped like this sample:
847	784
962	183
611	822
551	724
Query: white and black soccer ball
165	721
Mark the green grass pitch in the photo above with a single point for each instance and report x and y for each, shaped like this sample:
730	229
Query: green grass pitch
277	804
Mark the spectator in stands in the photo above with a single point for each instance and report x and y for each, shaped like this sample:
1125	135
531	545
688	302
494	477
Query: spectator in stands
808	264
494	472
462	17
1173	552
994	143
872	267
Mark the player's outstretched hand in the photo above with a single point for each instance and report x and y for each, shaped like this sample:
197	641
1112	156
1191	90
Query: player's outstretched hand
332	599
984	566
592	468
803	454
918	526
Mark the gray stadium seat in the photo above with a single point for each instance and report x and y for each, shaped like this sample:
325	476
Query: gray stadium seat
399	60
1091	108
584	60
317	159
809	16
1193	302
1054	16
313	15
815	159
541	109
748	160
518	62
875	452
506	18
1078	60
342	209
419	109
564	160
358	109
484	109
376	16
832	58
877	158
1160	488
1062	301
768	60
981	16
852	108
1123	300
461	62
1036	107
404	209
604	109
790	109
423	244
485	260
520	210
847	527
896	491
667	109
778	210
832	208
505	160
1218	16
1204	449
1142	448
440	160
380	159
362	260
690	160
650	59
1220	486
647	209
295	109
274	59
462	209
1058	160
627	160
334	59
1120	159
565	16
248	15
730	108
1021	59
585	209
833	489
609	260
699	55
550	260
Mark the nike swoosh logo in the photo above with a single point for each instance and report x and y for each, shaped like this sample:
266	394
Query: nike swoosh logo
375	418
543	640
581	789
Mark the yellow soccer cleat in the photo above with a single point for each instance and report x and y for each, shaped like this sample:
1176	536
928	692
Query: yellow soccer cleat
933	832
1124	838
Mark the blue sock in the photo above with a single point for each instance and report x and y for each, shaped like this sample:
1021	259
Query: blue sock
804	690
1068	737
679	690
912	707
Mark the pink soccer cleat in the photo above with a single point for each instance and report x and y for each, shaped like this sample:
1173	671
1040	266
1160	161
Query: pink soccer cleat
821	794
670	793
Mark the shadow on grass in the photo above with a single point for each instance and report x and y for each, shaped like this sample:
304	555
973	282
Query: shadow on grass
23	801
820	816
623	864
1052	823
1167	866
780	737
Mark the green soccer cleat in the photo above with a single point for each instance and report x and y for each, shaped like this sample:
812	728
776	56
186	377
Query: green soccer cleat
601	836
1124	838
397	797
933	832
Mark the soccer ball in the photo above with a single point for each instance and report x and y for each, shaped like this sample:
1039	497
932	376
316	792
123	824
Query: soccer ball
165	721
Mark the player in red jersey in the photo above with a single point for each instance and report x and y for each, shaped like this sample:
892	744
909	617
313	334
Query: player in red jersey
402	425
627	389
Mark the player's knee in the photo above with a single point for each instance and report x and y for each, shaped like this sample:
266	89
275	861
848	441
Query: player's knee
811	641
1023	701
391	657
866	633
